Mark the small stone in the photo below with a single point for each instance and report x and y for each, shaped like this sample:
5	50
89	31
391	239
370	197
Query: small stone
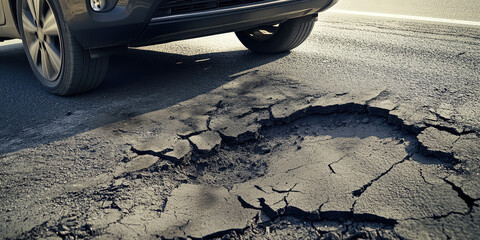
63	228
365	120
107	204
72	218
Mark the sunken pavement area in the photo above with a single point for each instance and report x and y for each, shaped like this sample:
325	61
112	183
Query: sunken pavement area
262	157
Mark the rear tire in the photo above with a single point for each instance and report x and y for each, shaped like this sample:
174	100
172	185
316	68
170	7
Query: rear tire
279	37
57	60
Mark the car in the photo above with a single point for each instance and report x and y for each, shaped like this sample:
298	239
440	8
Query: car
68	42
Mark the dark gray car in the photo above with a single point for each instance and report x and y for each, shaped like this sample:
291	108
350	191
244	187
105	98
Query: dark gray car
68	41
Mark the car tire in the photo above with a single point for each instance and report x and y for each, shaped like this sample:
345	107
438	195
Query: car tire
278	38
57	59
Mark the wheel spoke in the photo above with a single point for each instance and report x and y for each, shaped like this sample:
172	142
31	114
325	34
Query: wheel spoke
33	48
42	38
37	5
45	64
28	25
54	57
31	6
50	25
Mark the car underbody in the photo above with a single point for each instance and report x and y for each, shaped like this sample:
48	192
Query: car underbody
58	34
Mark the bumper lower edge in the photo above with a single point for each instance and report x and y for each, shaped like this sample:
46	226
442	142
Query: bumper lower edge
190	25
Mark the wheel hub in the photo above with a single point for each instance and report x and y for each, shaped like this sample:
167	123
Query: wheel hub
41	35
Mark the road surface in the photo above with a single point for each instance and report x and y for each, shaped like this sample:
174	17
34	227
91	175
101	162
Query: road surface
369	129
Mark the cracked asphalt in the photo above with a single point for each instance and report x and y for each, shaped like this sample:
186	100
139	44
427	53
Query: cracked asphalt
367	131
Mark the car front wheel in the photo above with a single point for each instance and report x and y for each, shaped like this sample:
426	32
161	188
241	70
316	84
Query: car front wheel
57	60
278	38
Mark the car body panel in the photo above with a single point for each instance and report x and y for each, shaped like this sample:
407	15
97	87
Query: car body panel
130	22
9	29
132	25
2	15
120	26
213	22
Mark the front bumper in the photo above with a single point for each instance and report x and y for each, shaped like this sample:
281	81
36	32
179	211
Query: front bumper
132	24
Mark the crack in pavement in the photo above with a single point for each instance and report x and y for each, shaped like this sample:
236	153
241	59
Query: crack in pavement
283	112
259	188
192	134
360	191
423	177
330	164
295	168
296	212
461	194
286	191
151	152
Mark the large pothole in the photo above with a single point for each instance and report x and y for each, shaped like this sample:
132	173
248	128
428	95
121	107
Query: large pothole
262	159
350	170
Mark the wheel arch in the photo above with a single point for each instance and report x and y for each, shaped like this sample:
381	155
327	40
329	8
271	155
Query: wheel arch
10	29
13	9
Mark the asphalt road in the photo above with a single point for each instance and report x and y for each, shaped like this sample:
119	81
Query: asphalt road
159	148
460	10
423	63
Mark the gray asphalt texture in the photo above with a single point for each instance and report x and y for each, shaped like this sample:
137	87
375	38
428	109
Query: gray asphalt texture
369	129
459	10
426	64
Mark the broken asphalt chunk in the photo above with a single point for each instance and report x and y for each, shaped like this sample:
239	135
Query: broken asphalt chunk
381	108
136	164
181	149
437	142
206	141
198	210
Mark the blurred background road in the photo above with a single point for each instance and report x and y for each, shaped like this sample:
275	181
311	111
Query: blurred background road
460	10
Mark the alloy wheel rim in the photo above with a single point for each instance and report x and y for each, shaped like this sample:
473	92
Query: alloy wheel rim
42	37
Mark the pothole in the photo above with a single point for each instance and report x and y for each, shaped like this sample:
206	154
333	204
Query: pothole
317	169
256	160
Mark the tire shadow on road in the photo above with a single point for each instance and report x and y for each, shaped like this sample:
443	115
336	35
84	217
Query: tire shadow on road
138	81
